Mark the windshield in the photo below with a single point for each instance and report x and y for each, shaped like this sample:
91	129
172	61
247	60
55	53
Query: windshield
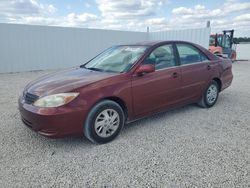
116	59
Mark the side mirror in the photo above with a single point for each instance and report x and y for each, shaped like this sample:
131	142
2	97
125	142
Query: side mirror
145	69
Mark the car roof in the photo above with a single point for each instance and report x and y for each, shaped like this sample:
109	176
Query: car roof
156	42
149	43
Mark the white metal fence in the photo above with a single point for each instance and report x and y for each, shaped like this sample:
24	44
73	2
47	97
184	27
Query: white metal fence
198	36
243	51
26	47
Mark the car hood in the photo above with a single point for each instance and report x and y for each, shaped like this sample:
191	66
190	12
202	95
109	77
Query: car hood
65	81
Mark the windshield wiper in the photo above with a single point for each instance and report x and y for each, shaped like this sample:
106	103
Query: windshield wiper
91	68
94	69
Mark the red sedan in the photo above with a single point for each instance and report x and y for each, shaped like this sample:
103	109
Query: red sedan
122	84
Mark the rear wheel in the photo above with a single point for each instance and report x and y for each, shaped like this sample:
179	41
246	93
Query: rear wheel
210	96
104	122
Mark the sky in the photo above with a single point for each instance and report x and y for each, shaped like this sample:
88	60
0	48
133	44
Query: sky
131	15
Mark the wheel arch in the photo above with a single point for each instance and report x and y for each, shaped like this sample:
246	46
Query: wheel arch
119	101
219	82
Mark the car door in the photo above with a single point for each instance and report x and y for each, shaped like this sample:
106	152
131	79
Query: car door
158	89
195	70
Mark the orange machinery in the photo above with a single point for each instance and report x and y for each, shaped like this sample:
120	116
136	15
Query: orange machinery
222	44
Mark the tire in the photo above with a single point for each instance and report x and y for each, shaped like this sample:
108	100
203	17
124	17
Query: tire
210	96
104	122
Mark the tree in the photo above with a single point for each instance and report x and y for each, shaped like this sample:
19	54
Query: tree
241	39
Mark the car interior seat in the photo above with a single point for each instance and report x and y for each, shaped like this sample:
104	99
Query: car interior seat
164	59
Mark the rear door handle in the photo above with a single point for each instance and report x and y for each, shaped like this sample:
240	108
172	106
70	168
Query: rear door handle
208	67
175	75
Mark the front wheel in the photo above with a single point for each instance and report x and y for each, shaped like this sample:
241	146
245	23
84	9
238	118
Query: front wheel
210	96
104	122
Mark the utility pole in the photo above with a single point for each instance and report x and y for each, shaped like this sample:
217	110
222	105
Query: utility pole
208	23
147	33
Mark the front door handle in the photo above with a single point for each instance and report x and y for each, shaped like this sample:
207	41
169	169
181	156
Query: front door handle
175	75
208	67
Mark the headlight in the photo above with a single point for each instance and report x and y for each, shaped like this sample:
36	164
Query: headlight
55	100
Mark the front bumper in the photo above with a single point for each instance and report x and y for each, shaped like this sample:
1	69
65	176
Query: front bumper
53	122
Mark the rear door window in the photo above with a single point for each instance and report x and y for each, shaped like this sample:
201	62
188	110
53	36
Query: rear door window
189	54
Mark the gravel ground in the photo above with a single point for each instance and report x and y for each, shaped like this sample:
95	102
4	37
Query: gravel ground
187	147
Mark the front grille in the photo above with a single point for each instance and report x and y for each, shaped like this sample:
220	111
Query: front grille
30	98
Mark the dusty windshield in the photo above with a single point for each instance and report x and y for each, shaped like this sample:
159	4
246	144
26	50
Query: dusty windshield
116	59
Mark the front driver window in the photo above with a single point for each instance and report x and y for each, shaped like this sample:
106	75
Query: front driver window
162	57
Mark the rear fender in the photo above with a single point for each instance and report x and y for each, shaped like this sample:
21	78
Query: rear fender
226	76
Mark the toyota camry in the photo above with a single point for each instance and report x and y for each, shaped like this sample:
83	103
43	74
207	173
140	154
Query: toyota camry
122	84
